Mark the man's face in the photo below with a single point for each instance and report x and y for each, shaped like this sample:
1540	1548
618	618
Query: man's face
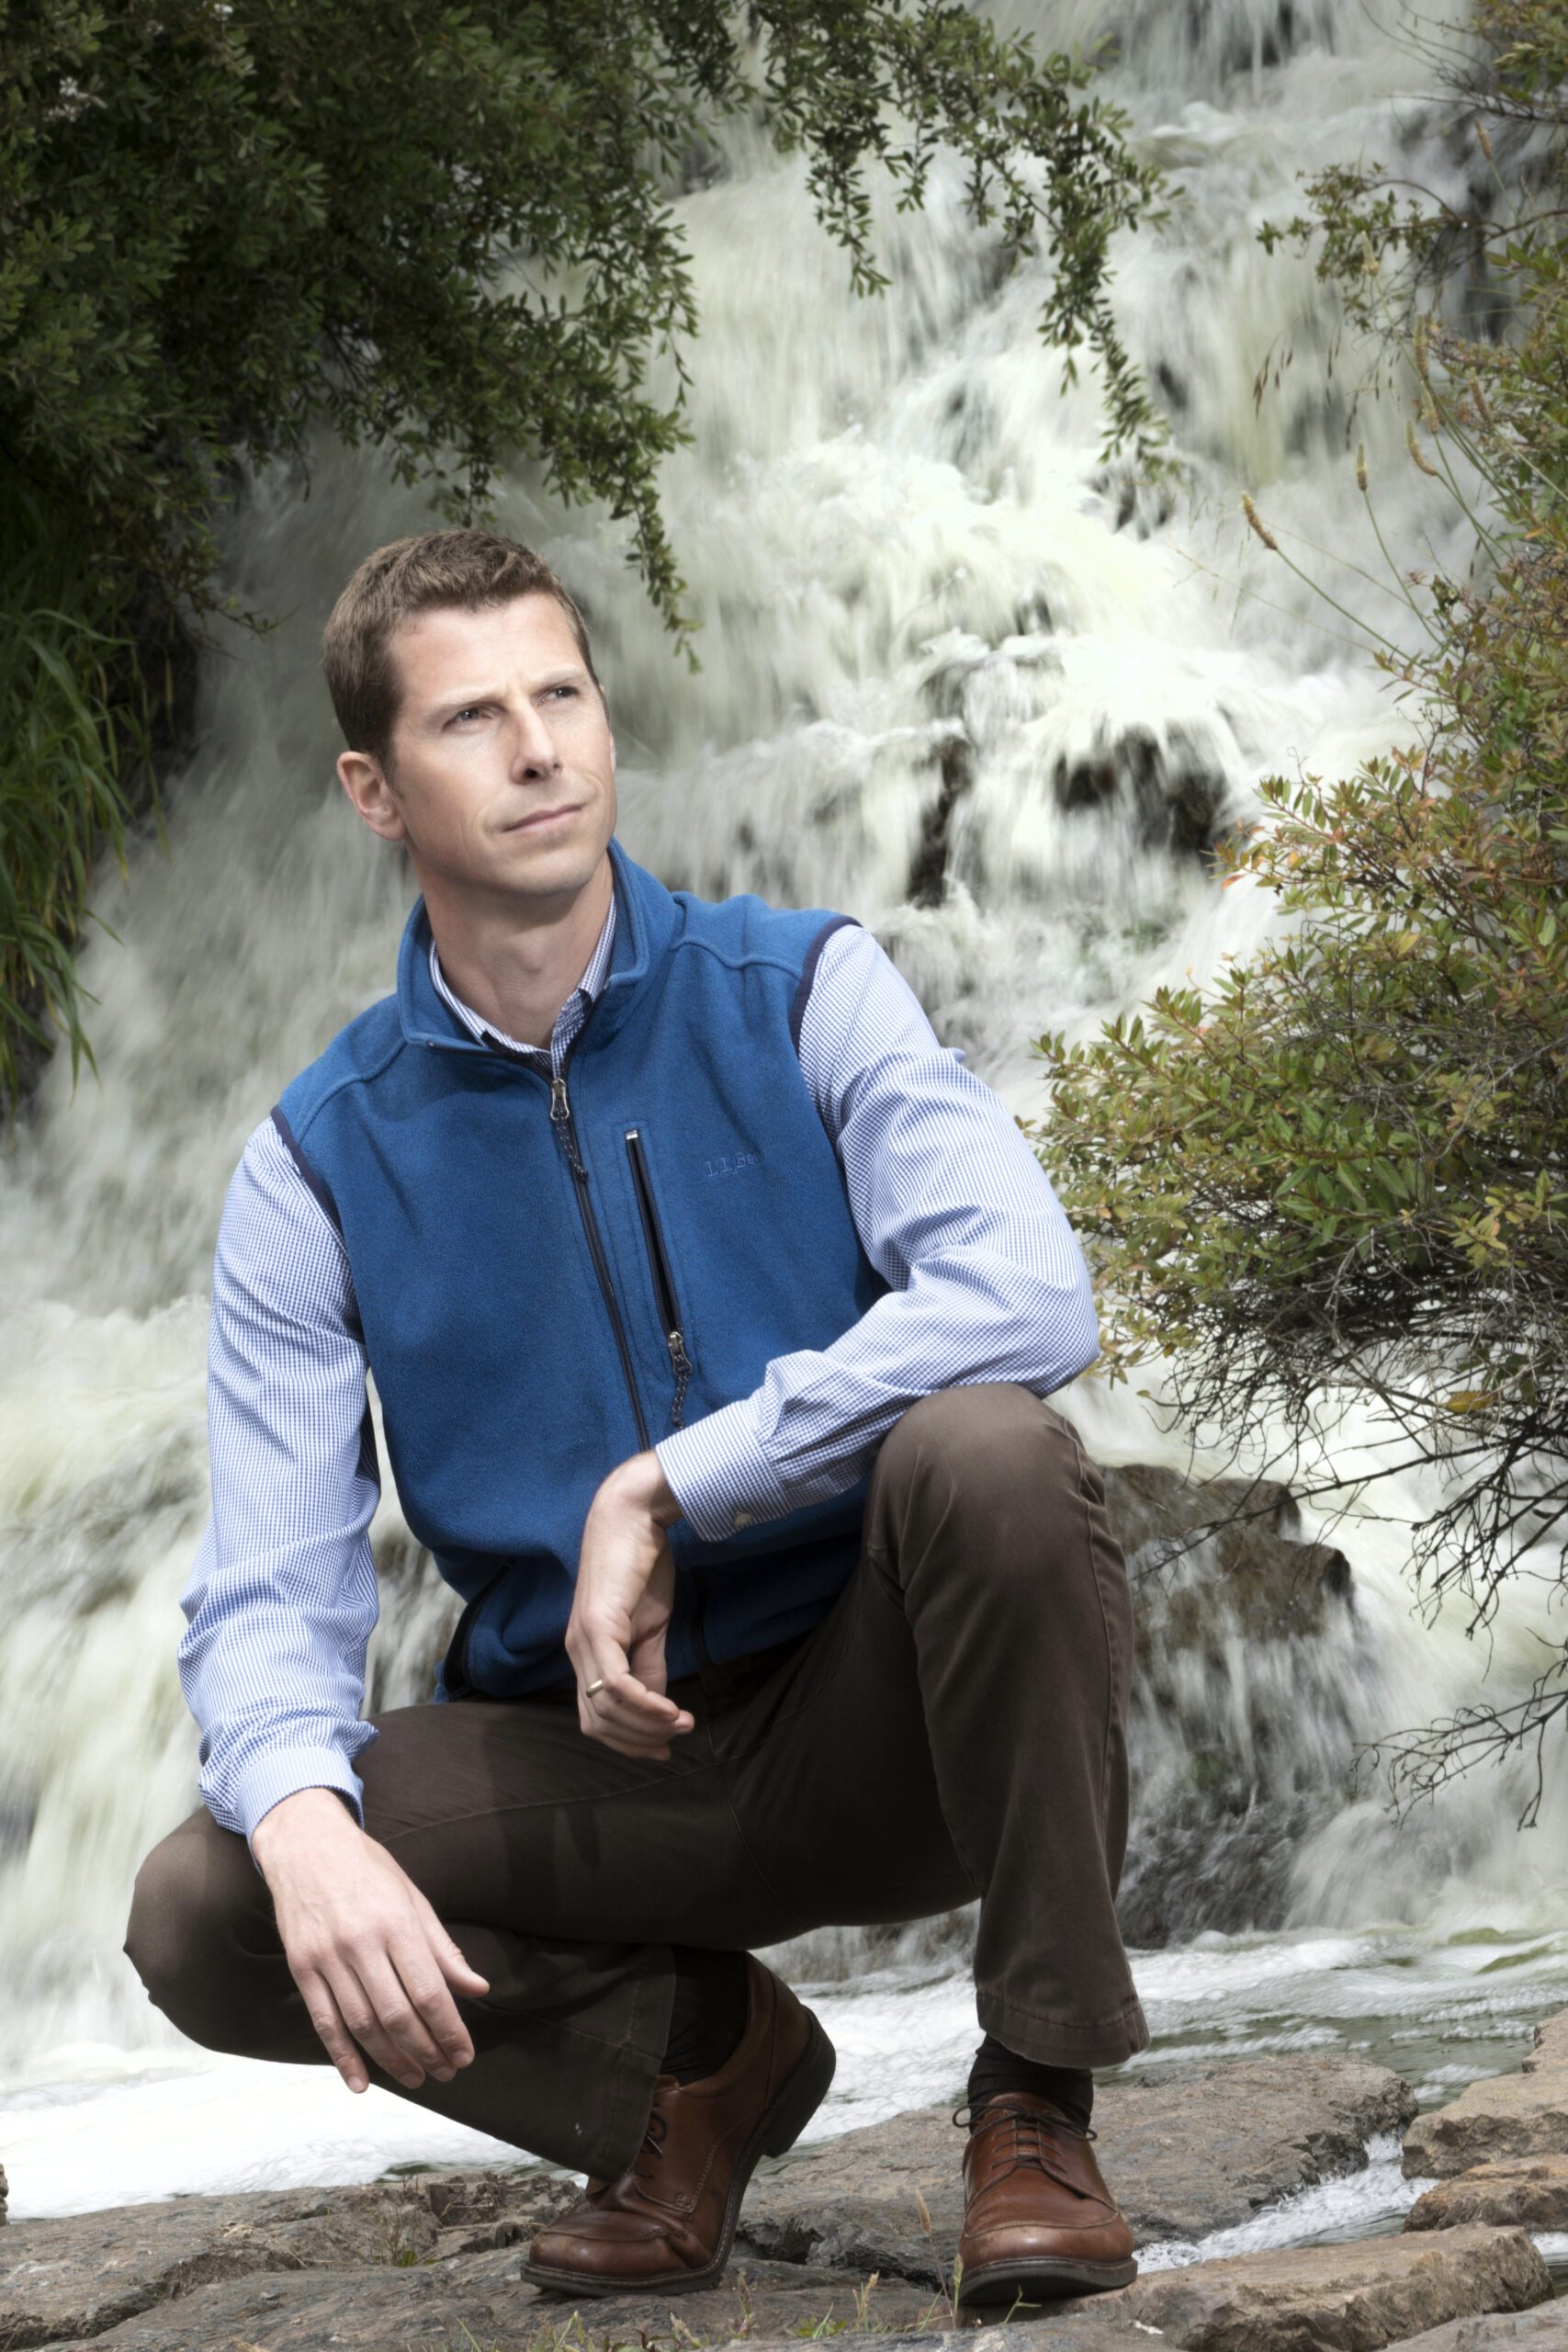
501	774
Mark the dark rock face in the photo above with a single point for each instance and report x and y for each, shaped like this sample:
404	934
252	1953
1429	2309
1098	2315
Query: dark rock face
1241	1735
1194	2150
1176	790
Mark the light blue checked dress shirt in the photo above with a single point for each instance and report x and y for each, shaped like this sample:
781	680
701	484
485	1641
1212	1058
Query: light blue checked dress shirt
987	1282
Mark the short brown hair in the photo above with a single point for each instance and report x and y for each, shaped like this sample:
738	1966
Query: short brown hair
468	569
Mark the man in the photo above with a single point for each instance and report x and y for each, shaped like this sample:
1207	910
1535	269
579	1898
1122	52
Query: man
711	1306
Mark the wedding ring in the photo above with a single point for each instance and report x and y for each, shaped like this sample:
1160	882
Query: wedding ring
595	1686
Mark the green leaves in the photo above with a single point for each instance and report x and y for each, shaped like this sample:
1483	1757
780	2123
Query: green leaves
63	784
1345	1166
446	230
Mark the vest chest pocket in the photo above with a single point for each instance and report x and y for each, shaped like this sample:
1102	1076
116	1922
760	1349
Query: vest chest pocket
664	1296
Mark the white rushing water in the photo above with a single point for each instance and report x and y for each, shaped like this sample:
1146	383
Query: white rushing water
898	538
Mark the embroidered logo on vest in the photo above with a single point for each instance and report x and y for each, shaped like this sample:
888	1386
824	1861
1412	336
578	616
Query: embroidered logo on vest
731	1163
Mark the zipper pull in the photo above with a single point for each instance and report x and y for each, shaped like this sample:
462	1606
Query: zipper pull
682	1363
563	1121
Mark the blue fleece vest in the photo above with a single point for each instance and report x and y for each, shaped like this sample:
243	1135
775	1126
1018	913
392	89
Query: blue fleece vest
543	1295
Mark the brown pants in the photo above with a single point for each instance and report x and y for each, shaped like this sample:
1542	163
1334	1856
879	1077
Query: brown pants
954	1728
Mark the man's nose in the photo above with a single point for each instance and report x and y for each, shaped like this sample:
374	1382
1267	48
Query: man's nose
535	751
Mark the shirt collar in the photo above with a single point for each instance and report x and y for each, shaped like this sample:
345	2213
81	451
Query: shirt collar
588	988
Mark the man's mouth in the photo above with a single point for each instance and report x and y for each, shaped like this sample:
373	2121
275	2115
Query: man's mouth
541	817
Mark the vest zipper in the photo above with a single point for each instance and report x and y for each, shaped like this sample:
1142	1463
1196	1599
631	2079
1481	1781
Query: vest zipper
565	1126
663	1281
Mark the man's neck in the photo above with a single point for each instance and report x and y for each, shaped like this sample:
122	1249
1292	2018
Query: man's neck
513	971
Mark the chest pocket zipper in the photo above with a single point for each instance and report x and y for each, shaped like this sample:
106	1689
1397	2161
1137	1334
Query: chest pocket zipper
658	1264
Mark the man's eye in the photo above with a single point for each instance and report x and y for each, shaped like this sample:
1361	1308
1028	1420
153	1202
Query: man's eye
563	690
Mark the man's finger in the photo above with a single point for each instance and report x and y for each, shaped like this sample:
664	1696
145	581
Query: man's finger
358	2013
450	1959
654	1743
330	2031
619	1697
629	1718
398	2013
363	2020
636	1734
417	1965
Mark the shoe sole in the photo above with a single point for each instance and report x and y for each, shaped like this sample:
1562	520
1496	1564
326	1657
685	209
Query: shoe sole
1045	2278
800	2095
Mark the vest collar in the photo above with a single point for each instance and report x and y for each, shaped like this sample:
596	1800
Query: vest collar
647	919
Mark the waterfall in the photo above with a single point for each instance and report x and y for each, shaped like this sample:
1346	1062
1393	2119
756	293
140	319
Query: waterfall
958	678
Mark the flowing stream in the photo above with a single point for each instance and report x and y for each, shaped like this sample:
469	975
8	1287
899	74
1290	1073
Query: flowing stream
959	680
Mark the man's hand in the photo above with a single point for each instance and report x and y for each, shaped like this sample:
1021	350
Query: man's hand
369	1955
626	1589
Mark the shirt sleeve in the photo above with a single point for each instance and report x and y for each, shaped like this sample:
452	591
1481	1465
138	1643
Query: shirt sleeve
956	1212
281	1601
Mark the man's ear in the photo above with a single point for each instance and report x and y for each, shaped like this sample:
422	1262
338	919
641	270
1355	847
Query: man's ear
365	781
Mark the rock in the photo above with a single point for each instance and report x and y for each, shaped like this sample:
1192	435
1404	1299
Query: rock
3	2192
1240	1729
1186	1544
350	2309
1174	789
1077	2327
1353	2298
1339	2298
1511	2192
1545	2329
482	2302
87	2272
1507	2115
1185	2151
1550	2045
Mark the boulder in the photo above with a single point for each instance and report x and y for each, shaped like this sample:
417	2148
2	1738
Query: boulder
1507	2115
1186	2150
1352	2298
1511	2192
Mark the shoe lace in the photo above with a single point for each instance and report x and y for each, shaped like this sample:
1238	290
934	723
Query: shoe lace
653	2134
1025	2141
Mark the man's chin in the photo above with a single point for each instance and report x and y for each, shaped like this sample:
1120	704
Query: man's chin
556	870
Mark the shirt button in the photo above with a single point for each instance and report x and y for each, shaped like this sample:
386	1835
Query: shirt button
744	1519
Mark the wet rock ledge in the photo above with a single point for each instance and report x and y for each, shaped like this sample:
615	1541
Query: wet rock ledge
834	2241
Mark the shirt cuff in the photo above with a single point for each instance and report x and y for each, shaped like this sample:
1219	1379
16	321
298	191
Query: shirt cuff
720	1475
282	1773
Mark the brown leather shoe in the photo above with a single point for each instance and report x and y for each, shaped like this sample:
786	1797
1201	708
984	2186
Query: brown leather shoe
668	2221
1038	2218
